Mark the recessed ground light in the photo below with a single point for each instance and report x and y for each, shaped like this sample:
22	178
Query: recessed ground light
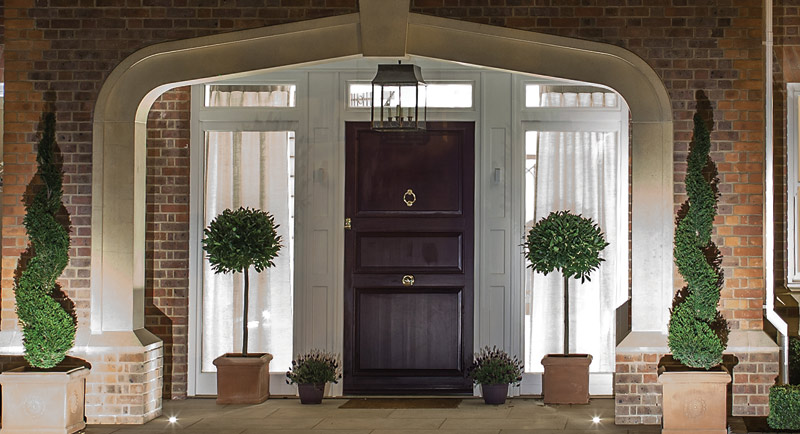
172	419
596	419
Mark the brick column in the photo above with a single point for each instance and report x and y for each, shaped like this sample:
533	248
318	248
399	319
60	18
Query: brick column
637	394
167	234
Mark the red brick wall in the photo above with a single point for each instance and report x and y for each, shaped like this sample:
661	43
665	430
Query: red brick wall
167	233
61	53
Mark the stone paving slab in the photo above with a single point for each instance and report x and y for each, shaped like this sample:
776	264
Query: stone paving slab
288	416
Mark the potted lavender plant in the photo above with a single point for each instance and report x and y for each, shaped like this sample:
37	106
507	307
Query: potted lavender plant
311	371
495	370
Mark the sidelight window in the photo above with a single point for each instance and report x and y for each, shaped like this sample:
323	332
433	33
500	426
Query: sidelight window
576	159
251	169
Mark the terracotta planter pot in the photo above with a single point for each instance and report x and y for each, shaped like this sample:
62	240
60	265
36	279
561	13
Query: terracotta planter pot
46	402
566	378
494	394
311	393
694	401
242	380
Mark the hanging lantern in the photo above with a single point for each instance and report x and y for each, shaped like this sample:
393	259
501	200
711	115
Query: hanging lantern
398	98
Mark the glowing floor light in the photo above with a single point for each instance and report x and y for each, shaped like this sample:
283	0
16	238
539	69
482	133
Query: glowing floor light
596	419
172	419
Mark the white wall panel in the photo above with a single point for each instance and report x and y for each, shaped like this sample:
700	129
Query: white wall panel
496	244
318	254
315	264
496	298
493	302
320	172
318	331
496	187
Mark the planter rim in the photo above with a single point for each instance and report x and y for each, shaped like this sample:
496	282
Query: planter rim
695	377
667	363
567	359
238	359
21	375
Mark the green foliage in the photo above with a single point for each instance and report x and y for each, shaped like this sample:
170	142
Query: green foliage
696	341
314	367
236	240
697	332
794	361
566	242
48	329
784	407
495	366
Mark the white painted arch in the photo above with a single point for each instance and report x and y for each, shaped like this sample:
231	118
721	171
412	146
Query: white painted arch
383	29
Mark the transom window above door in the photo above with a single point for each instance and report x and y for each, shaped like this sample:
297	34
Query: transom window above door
251	95
439	95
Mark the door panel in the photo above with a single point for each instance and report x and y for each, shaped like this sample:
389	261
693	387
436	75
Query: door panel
395	333
415	160
409	338
412	252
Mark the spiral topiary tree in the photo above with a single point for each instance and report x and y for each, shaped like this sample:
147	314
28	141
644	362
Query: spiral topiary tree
48	329
237	240
569	243
697	331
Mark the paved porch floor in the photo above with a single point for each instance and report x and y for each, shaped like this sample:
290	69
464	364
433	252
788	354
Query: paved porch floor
287	416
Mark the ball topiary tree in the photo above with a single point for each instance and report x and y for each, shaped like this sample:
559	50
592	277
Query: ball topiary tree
569	243
697	331
48	329
237	240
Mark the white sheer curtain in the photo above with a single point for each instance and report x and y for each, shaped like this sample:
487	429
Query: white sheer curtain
578	171
251	96
250	169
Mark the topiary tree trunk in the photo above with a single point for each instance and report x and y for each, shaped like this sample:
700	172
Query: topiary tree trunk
697	331
48	329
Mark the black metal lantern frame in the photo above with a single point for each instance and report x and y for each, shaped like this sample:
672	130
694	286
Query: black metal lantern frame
399	96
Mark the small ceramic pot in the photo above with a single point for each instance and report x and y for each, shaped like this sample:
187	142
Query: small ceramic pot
494	394
311	393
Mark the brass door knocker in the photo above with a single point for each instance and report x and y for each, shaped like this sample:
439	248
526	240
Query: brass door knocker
408	280
413	197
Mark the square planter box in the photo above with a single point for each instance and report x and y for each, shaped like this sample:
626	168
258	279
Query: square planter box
566	378
45	402
694	402
242	380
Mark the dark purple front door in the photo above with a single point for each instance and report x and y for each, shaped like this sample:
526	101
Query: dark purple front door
409	259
